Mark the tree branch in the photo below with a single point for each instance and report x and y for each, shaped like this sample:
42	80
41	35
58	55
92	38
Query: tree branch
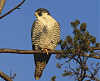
2	3
17	51
5	77
12	9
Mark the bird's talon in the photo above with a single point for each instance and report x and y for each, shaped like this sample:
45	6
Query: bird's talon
42	49
45	50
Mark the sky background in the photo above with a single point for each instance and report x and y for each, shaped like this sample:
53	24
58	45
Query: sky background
15	33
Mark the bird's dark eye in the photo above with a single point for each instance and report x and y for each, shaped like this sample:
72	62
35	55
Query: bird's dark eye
39	13
51	41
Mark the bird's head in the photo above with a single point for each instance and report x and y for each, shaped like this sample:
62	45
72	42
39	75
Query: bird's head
40	12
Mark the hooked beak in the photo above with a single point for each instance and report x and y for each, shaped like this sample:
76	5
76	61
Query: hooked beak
35	13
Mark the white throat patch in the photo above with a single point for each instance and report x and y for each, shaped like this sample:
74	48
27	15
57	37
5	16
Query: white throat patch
47	20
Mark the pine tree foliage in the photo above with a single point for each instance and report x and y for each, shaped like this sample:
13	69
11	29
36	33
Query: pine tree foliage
79	44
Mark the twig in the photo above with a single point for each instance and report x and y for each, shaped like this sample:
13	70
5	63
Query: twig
94	48
12	9
68	60
5	77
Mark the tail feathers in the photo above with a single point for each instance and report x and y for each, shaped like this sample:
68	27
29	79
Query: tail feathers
39	69
38	73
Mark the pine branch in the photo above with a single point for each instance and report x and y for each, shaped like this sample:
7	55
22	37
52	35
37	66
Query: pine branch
12	9
17	51
5	77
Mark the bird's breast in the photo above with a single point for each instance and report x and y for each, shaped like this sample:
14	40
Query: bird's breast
47	22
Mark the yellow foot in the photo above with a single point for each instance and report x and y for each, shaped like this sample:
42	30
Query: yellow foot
45	50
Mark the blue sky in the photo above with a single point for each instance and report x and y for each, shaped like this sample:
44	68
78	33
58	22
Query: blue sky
15	33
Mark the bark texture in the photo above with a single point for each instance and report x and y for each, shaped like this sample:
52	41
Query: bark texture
2	3
5	77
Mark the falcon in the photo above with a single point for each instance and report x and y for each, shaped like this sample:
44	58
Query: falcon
45	34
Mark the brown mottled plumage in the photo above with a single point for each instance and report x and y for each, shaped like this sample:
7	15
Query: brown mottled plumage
45	34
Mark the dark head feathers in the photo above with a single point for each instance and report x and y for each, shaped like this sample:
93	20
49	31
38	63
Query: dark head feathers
40	10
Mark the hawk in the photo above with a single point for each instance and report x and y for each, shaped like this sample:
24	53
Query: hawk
45	34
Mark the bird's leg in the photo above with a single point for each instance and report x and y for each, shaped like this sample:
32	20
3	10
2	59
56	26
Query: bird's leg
45	50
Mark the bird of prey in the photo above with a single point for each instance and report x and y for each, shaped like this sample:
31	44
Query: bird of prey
45	34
